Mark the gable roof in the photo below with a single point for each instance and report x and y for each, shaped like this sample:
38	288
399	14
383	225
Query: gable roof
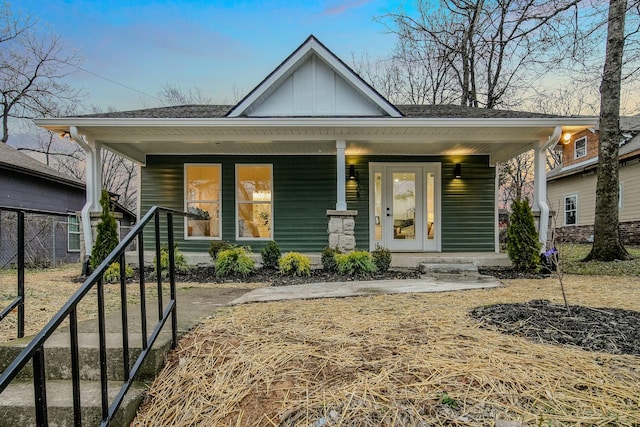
13	159
310	49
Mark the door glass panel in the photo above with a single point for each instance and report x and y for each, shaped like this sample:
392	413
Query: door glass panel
377	205
404	205
431	203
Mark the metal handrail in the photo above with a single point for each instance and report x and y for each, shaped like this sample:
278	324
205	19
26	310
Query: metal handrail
34	351
19	301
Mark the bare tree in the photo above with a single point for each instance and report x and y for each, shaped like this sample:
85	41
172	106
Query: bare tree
32	69
172	94
607	245
495	49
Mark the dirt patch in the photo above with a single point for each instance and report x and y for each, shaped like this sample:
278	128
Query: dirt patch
609	330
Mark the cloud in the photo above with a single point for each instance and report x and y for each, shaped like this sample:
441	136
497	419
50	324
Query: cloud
340	8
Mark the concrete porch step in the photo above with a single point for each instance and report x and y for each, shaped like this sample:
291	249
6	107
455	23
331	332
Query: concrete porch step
58	356
448	269
17	408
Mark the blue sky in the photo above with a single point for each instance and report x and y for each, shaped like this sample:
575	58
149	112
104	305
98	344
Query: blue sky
218	46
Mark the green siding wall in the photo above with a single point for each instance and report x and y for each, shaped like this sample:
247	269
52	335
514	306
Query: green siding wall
304	189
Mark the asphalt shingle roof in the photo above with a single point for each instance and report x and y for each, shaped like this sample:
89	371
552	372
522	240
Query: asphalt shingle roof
412	111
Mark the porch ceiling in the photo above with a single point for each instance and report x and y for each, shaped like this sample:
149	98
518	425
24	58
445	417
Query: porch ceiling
137	138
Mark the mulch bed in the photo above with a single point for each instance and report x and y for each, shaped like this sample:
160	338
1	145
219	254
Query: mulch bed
609	330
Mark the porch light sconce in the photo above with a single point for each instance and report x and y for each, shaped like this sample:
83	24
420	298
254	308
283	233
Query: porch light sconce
457	171
354	175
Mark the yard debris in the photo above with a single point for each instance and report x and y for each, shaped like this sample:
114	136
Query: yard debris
401	360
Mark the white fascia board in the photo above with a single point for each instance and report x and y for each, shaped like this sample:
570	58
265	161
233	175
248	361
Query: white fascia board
271	122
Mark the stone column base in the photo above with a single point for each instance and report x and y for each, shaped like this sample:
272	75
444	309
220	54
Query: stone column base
341	229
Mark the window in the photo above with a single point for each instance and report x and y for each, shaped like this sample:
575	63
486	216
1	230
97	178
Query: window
254	198
571	210
580	148
73	234
203	198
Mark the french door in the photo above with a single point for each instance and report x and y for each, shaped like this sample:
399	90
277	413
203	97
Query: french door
405	206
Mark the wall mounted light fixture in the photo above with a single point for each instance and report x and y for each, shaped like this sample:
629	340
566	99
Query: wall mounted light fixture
354	175
457	171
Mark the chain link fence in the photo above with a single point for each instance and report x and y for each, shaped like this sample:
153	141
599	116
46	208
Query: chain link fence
47	240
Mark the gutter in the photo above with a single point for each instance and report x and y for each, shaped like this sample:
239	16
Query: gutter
542	201
86	209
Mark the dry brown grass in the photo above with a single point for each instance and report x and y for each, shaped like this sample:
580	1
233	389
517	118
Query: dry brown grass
47	290
395	360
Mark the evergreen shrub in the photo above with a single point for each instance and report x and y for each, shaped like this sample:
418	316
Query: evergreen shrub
295	264
112	274
523	244
356	263
107	233
216	246
270	255
328	259
180	262
381	258
234	262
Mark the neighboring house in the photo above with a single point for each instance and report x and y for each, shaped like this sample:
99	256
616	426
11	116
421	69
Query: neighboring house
314	156
27	183
572	186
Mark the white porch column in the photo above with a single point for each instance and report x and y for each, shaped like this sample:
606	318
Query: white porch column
540	184
341	183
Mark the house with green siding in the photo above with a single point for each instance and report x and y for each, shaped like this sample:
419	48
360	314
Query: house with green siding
313	156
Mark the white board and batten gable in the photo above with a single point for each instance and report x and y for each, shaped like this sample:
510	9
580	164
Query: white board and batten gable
313	82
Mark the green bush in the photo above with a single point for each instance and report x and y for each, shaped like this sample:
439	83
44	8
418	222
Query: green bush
381	258
328	259
270	255
523	245
216	246
107	233
180	262
112	274
295	264
356	263
234	262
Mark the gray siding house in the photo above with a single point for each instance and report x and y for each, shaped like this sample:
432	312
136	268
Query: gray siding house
50	239
313	157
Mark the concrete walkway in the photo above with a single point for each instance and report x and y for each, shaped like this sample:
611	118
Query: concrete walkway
374	287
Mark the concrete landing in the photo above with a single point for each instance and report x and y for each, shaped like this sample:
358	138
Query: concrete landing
361	288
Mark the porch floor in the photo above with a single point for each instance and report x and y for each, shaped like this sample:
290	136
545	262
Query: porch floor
398	259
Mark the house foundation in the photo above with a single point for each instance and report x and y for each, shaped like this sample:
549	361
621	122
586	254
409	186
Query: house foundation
341	229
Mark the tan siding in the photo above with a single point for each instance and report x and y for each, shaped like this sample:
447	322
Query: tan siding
630	177
584	187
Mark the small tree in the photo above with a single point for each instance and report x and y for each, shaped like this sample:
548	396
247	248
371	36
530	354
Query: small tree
107	236
523	244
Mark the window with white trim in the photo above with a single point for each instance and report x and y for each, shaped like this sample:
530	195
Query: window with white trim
580	147
254	202
571	210
203	197
73	234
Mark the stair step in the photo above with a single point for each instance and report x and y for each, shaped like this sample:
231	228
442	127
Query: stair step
58	356
448	269
17	409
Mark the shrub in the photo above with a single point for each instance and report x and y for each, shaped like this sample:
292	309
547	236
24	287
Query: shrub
112	274
381	258
180	262
523	245
107	233
328	259
216	246
270	255
356	263
233	262
295	264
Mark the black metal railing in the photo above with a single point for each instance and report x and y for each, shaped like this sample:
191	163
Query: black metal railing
34	351
19	301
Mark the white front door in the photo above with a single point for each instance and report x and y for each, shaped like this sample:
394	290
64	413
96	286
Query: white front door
405	199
